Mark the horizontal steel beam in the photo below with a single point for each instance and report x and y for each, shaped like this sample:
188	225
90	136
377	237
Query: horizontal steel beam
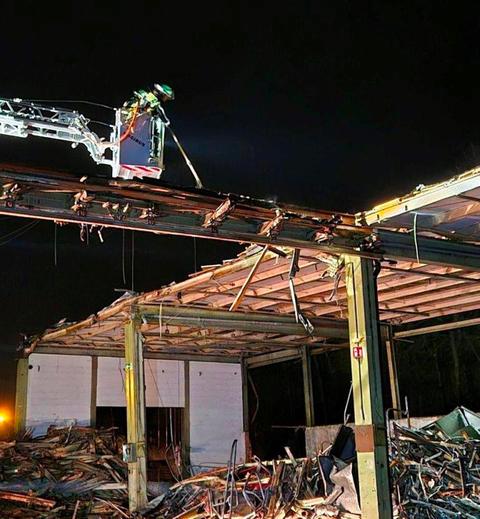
401	246
239	321
266	359
456	325
167	210
105	352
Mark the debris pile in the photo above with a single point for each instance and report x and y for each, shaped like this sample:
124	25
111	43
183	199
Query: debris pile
436	469
316	487
70	472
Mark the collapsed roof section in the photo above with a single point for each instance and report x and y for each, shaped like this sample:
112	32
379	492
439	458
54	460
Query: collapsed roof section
287	290
194	317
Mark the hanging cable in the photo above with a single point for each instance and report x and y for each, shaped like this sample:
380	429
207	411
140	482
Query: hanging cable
55	244
133	260
123	259
131	125
77	101
185	157
7	238
415	236
160	320
194	254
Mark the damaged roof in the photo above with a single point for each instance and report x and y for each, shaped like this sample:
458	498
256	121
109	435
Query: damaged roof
246	305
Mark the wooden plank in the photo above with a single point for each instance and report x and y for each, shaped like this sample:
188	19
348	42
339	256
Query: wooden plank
392	369
308	387
241	293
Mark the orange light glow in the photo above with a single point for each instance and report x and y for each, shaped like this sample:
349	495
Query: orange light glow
3	418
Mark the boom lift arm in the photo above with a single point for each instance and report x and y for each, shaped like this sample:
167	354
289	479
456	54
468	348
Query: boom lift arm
134	147
22	118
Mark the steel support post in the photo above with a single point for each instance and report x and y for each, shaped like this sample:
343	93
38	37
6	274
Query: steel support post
135	398
370	434
308	387
93	392
246	409
21	396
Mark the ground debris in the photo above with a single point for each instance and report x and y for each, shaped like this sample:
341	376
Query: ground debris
285	488
436	469
74	472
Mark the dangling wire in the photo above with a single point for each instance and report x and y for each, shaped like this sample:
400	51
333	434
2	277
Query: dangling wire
133	260
415	236
7	238
194	254
55	244
76	101
123	259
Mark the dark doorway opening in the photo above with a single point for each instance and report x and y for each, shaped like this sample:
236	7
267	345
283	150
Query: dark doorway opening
164	438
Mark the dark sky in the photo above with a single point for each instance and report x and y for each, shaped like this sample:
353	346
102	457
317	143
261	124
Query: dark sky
335	105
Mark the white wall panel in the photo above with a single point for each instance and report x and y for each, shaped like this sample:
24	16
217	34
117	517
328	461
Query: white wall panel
111	382
164	381
215	412
59	389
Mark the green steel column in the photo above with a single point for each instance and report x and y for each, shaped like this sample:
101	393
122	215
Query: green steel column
21	396
135	398
307	387
370	434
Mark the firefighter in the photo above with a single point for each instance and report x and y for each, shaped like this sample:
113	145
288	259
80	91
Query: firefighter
149	100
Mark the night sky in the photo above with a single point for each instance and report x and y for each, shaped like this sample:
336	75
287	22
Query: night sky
334	105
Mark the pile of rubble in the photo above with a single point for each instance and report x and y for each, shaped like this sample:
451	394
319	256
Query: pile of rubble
436	469
71	472
307	488
78	472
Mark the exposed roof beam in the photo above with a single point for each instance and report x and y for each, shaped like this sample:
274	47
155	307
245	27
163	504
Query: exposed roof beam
105	352
252	322
437	328
182	212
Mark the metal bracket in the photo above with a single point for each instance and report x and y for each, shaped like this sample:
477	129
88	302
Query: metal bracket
81	202
129	452
11	193
215	218
150	214
326	231
272	228
117	211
